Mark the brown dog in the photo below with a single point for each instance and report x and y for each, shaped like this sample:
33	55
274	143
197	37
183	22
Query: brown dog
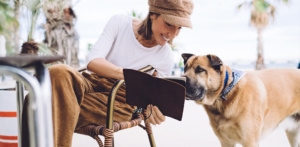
244	106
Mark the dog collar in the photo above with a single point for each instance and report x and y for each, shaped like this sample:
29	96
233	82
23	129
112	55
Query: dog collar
226	80
236	76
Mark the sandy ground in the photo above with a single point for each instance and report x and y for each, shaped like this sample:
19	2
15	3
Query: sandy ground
193	131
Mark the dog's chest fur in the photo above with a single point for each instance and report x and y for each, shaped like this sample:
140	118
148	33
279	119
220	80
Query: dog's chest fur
221	114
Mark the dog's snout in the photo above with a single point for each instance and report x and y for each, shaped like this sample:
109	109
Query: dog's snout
187	81
188	86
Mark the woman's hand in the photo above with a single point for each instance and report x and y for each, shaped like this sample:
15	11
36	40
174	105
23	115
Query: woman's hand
154	115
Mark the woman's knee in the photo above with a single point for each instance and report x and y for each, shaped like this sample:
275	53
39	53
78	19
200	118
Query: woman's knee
60	70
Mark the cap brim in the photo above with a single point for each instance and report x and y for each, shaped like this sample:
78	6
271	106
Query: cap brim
177	21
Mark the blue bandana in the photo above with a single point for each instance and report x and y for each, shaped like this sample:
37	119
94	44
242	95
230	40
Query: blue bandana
236	75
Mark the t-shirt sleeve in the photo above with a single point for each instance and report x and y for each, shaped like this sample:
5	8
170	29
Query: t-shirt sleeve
104	44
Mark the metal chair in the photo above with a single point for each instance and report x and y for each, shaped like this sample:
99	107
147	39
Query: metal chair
41	132
111	127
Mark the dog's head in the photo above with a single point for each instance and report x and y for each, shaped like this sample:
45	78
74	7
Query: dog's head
203	77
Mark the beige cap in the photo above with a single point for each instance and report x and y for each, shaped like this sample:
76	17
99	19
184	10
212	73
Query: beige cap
174	12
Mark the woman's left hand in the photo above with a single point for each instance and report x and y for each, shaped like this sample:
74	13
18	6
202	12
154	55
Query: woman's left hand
154	115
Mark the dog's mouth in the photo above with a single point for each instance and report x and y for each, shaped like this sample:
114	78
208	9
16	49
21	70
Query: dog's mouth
195	94
194	91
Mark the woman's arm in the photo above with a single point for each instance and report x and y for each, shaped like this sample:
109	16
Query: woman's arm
95	59
106	69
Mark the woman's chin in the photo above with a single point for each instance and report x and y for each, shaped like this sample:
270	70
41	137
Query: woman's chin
162	43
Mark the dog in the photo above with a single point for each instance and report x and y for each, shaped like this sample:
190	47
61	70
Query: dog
243	107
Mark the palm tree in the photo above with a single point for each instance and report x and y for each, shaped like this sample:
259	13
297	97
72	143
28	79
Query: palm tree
261	14
34	9
8	23
16	32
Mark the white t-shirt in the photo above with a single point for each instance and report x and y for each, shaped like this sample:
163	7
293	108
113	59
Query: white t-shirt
118	45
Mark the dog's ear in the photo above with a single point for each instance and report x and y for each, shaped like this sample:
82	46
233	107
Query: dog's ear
186	56
215	62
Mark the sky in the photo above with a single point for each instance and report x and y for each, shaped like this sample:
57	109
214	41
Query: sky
218	28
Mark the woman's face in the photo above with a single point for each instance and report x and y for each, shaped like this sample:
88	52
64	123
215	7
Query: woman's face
162	31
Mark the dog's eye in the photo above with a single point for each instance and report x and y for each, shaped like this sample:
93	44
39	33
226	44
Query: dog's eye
198	69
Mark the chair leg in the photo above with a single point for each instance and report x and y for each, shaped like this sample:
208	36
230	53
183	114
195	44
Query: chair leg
151	140
97	138
109	137
150	134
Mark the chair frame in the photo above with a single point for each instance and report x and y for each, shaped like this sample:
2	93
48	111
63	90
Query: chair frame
111	127
39	109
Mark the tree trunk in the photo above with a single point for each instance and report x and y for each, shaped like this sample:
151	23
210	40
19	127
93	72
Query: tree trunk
16	36
260	52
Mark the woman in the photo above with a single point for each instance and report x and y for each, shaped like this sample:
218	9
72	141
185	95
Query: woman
126	42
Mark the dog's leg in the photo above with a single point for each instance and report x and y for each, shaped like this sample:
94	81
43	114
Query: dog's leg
251	145
293	136
227	144
293	130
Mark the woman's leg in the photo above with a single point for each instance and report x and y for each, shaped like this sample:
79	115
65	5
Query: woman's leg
68	88
93	109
